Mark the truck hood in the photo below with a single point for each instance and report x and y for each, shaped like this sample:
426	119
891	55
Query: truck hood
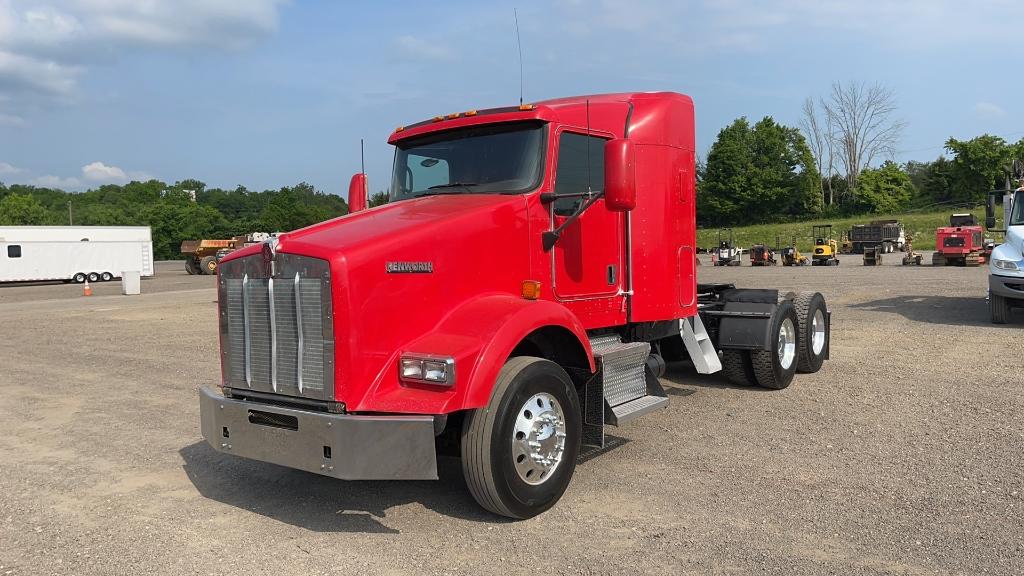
390	225
1012	249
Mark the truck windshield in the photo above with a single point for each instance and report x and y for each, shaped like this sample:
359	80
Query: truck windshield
1017	214
494	159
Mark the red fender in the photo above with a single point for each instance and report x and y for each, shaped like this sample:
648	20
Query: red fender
480	335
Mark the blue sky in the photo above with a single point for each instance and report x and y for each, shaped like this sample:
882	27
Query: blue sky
266	93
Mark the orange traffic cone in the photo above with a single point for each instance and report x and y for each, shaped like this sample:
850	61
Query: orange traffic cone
86	290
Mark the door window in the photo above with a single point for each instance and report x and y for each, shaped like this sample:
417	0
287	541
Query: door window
14	251
572	175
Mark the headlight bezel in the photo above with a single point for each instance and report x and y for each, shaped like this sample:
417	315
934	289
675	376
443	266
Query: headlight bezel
431	369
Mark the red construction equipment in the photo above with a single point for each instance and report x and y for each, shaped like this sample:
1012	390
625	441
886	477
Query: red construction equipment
961	243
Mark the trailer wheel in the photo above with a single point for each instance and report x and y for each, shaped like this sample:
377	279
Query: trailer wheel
775	368
79	278
208	265
94	277
106	277
519	452
811	316
737	367
999	308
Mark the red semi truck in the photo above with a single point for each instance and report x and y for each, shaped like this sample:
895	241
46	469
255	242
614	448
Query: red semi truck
523	288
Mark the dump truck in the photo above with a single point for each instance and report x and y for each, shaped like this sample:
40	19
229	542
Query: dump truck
961	243
523	288
202	256
889	235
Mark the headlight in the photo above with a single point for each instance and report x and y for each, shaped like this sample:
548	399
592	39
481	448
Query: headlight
1005	264
427	368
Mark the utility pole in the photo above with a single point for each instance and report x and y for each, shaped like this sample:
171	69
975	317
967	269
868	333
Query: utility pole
71	221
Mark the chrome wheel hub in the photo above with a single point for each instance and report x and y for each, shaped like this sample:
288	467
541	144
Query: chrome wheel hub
818	332
538	438
787	343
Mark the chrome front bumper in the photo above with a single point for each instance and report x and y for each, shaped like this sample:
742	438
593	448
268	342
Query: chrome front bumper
343	446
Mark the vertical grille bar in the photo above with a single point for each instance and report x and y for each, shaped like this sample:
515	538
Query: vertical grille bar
298	332
245	322
273	334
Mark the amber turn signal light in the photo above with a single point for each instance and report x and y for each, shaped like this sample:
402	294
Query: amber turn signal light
531	289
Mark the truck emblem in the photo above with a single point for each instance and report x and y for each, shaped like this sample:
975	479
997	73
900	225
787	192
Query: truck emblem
410	267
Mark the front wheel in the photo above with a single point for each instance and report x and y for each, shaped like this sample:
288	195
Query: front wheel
519	452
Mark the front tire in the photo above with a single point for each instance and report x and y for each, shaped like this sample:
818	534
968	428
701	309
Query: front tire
208	265
519	452
999	308
775	368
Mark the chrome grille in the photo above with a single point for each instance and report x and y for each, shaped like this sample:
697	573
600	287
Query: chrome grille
276	331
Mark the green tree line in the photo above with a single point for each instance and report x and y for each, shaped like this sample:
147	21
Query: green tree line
765	172
170	209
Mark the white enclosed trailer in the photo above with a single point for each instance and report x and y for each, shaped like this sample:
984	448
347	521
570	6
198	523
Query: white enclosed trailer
74	253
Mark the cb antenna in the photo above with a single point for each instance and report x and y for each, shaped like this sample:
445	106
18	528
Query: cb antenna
519	44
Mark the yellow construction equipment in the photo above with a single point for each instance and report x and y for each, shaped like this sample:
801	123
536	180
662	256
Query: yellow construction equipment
825	248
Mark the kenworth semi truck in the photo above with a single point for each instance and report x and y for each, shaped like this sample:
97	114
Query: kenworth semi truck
525	284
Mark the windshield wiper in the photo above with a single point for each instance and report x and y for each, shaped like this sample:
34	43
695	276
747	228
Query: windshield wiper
452	185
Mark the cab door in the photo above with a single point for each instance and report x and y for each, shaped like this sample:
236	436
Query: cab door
588	259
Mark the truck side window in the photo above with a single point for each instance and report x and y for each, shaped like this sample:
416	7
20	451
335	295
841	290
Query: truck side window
571	173
14	251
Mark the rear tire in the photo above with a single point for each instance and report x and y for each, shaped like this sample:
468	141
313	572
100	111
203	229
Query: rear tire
812	315
501	472
775	368
106	277
737	367
79	278
999	309
192	267
94	277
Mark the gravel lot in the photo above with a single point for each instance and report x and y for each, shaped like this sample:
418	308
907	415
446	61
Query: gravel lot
904	455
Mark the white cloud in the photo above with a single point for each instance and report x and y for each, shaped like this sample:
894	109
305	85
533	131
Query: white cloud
100	172
989	110
421	48
57	182
46	45
6	168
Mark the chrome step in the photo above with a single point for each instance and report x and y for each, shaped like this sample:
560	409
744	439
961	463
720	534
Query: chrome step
635	408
